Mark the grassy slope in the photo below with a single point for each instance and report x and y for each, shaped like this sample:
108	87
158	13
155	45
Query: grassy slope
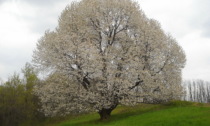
174	114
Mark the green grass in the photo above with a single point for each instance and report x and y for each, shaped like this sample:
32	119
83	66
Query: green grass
172	114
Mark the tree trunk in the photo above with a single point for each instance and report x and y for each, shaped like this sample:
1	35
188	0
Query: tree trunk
105	113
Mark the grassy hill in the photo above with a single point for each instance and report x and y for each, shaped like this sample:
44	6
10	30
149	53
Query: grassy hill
172	114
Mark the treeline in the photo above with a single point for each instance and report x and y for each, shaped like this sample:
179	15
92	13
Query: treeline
18	104
197	91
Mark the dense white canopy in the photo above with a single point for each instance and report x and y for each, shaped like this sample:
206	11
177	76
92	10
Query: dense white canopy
115	55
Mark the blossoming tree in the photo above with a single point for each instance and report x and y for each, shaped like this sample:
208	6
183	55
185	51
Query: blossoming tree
105	53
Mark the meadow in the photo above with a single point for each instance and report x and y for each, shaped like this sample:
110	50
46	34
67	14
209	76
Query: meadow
176	113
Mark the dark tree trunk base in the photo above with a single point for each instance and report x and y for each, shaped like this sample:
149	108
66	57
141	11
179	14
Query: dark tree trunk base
105	114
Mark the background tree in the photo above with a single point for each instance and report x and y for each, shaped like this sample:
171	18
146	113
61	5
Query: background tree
197	91
114	53
32	102
18	104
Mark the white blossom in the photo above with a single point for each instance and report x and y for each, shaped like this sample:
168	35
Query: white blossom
112	53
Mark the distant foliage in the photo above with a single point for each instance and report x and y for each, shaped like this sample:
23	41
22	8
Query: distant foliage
114	53
197	91
17	101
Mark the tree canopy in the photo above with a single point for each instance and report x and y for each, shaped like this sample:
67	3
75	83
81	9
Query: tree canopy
104	53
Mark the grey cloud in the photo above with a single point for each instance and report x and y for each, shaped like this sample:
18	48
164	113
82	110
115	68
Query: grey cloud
206	27
42	22
46	16
44	2
2	1
41	2
201	18
12	56
42	27
12	60
205	17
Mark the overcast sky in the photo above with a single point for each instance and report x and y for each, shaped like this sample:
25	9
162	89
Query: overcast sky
23	22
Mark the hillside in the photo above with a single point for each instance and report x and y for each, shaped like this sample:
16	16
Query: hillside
172	114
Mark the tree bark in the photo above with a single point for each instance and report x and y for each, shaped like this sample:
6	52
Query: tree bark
105	113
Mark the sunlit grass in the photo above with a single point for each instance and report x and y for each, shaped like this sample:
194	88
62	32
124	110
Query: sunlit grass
175	113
